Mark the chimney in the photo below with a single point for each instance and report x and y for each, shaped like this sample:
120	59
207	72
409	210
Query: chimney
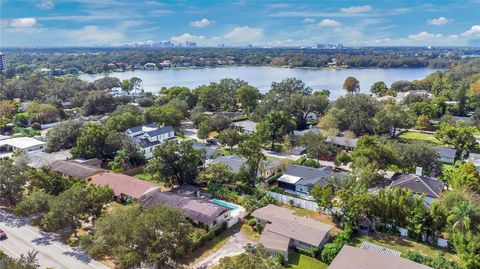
197	193
419	171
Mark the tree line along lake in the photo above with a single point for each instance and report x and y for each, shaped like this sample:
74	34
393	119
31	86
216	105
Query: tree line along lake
262	77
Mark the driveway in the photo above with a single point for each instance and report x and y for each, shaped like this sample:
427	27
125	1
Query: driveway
23	237
233	247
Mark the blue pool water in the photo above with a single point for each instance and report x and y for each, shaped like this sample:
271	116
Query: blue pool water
220	202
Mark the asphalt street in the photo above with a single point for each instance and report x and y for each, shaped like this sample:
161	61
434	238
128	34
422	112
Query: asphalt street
23	237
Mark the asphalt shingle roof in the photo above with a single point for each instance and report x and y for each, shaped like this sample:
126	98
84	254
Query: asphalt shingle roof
418	184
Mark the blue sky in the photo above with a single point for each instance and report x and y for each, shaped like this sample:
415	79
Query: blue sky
261	23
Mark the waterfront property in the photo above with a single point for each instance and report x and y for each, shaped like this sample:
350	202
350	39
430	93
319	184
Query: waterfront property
300	179
358	258
283	229
149	136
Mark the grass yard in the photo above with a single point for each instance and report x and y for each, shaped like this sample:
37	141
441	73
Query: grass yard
402	244
298	261
144	176
250	233
414	136
316	216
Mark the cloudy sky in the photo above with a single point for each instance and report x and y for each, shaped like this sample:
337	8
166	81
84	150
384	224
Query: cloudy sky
260	23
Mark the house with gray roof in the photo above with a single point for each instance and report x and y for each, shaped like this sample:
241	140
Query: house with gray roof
446	155
149	136
246	126
73	169
342	142
419	185
283	229
300	179
234	162
201	211
359	258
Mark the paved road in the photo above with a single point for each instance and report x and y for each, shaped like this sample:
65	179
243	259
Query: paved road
51	253
233	247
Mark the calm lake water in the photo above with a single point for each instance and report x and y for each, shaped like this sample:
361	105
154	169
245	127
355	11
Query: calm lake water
262	77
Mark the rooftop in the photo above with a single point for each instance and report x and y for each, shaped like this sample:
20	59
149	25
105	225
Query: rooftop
342	141
194	208
22	142
352	257
418	184
309	175
246	125
446	152
233	161
75	169
124	185
283	222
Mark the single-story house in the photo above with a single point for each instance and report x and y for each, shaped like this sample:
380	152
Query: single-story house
475	160
3	137
246	126
459	118
352	257
201	211
73	169
283	229
38	159
418	184
124	187
446	155
342	142
270	167
149	136
234	162
301	179
210	151
24	144
311	128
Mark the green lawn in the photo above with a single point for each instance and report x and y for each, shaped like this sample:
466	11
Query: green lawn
414	136
250	233
298	261
144	176
402	244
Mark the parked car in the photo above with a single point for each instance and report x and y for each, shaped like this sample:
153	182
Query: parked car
3	235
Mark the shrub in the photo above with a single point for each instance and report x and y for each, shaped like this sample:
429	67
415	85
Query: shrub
330	250
439	261
252	222
308	252
259	227
36	126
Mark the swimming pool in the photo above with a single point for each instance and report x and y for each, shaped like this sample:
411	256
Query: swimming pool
220	202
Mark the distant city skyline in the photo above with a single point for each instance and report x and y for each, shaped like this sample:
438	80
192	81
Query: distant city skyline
239	23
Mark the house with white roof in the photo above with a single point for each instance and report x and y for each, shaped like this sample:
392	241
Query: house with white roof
21	144
149	136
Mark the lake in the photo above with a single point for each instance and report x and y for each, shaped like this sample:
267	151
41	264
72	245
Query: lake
262	77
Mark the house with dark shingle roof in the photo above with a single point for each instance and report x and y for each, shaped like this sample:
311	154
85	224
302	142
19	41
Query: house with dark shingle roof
149	136
352	257
419	185
446	155
301	179
201	211
283	229
233	162
73	169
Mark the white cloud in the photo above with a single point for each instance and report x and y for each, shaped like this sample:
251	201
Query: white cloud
357	9
453	36
329	23
308	20
439	21
474	31
94	35
23	22
201	23
45	4
244	33
186	37
424	36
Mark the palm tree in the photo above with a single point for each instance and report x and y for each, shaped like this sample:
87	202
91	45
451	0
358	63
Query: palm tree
462	216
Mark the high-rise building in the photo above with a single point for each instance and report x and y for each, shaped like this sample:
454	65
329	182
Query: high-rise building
3	62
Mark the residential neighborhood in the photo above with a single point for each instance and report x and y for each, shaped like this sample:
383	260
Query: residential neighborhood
239	135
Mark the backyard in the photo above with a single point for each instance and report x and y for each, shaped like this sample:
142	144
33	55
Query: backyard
299	261
420	137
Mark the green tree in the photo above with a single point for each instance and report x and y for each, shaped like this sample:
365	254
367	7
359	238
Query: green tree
254	258
351	85
229	137
63	135
35	202
315	144
157	237
374	149
355	112
25	261
96	141
467	246
42	113
379	88
218	173
51	182
167	115
463	216
460	137
422	122
410	156
12	181
248	96
391	117
175	162
275	126
324	197
122	122
251	150
98	103
107	83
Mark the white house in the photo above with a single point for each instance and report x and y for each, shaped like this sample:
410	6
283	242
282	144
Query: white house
475	160
149	136
25	144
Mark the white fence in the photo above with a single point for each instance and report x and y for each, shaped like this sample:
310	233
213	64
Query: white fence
297	202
